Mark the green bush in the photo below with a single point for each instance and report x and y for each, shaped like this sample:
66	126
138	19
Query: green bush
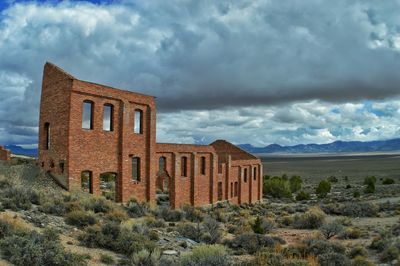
324	187
192	214
111	236
136	209
262	225
302	195
107	259
334	259
212	255
318	247
295	183
37	250
388	181
144	257
277	187
80	218
19	198
331	229
312	219
369	183
333	179
169	215
251	243
361	261
356	194
189	230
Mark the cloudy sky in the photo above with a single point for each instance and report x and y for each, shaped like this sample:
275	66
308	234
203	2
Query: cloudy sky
258	72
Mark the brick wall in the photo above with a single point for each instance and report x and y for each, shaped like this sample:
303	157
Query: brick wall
66	149
5	155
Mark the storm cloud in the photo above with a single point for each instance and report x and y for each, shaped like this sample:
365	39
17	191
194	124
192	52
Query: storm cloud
250	71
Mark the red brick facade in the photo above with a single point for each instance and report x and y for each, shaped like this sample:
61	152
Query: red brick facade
66	149
5	155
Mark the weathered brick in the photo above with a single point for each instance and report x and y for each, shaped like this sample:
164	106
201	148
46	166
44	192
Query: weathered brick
73	149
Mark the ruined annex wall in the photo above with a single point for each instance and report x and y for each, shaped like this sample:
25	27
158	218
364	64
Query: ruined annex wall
5	155
54	110
197	187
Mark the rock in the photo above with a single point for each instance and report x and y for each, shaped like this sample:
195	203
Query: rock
170	252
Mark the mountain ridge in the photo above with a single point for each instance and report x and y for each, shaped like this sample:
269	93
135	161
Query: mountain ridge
333	147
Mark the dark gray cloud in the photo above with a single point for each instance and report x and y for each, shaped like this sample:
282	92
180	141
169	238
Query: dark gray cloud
201	55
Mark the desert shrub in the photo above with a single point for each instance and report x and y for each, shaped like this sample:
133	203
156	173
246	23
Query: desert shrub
211	228
356	194
350	233
295	183
262	225
348	186
251	242
190	230
359	209
369	183
113	237
390	253
318	247
206	255
116	215
324	187
357	251
136	209
269	258
331	229
98	204
143	257
312	219
333	179
80	218
153	222
277	187
37	249
192	214
169	215
107	259
54	206
19	198
361	261
302	195
333	259
5	228
388	181
379	243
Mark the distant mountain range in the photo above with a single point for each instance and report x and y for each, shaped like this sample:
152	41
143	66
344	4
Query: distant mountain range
21	151
334	147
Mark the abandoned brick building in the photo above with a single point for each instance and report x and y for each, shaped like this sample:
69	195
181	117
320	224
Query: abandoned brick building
5	155
90	134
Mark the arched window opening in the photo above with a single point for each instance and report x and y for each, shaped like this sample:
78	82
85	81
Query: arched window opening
47	136
203	165
108	114
184	166
87	114
245	175
108	183
236	189
255	173
162	164
87	181
219	190
138	124
231	189
62	166
136	169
